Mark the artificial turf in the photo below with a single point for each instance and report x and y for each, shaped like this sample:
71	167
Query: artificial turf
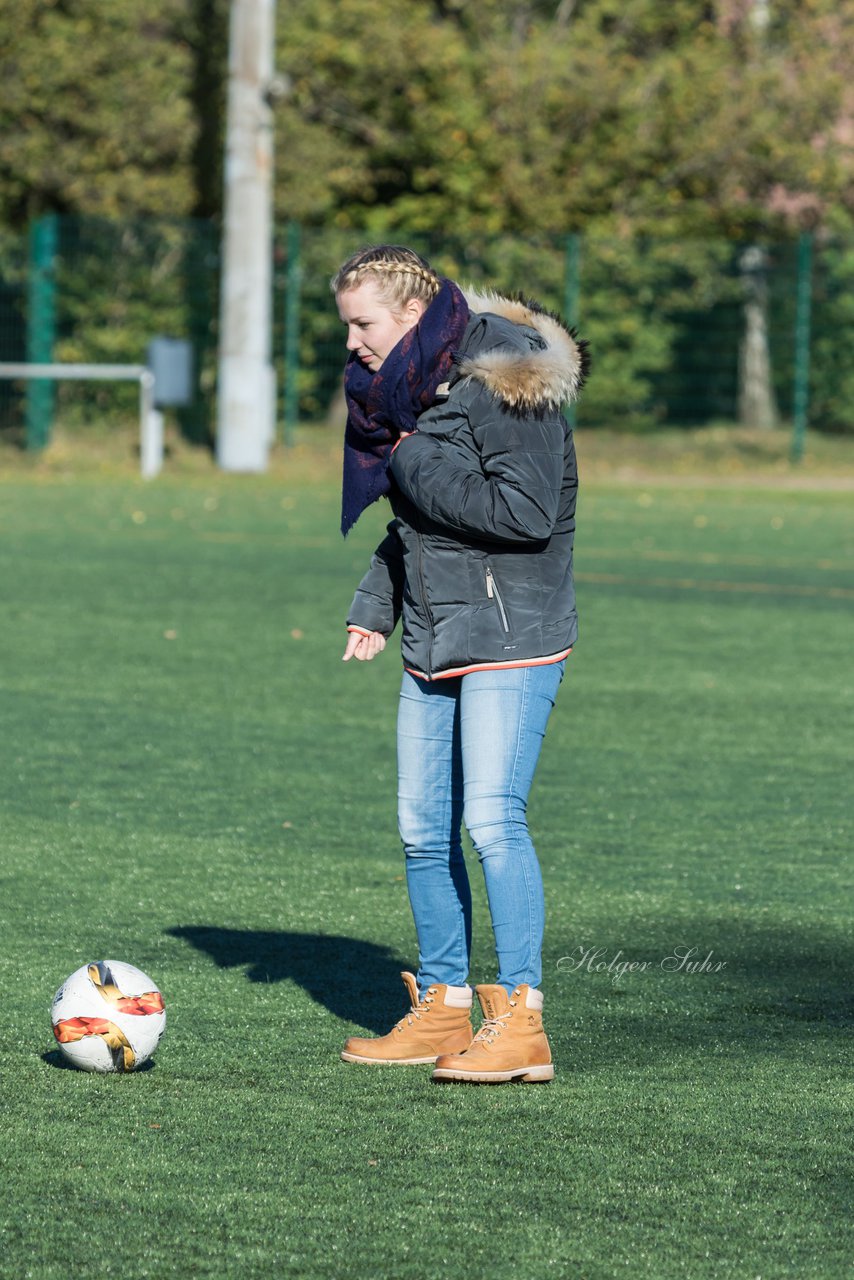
192	781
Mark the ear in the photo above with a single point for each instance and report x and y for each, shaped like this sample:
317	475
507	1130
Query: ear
414	310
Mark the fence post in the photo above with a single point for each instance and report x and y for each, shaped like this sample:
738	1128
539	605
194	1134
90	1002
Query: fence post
293	281
41	326
803	316
572	295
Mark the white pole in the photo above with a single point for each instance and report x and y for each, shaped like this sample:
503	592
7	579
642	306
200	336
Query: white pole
246	409
151	429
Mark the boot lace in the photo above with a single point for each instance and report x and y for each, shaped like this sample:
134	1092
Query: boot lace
493	1027
416	1011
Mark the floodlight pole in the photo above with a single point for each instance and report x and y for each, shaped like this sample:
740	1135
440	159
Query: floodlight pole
246	395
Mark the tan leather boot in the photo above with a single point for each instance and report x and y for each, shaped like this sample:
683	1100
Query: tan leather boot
511	1044
440	1023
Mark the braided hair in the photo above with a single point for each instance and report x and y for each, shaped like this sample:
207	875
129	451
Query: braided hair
399	274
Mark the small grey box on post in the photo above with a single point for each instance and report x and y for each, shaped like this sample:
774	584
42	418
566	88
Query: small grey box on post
171	362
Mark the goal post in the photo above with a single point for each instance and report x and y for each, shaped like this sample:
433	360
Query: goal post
150	418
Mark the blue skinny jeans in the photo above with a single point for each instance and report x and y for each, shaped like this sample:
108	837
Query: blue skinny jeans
467	750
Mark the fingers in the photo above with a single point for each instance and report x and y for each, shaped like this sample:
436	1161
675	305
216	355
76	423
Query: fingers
374	644
363	648
354	639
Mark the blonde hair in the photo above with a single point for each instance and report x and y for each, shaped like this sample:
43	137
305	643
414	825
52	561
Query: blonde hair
400	274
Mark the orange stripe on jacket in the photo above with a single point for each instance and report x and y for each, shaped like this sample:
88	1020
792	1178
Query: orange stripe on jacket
493	666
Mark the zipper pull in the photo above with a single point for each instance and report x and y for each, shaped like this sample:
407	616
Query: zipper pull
490	589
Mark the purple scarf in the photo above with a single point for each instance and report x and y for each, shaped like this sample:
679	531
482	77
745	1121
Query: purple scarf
382	405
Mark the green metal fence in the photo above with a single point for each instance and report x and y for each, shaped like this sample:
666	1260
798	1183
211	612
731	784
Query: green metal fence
671	324
89	290
683	333
13	327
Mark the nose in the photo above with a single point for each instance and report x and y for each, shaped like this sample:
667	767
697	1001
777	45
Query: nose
352	340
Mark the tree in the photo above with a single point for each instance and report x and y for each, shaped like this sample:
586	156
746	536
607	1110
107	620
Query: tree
627	115
673	117
95	114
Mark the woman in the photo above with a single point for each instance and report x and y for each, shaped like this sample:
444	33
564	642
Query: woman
454	413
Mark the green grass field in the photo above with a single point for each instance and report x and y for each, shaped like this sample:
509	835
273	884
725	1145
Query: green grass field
192	781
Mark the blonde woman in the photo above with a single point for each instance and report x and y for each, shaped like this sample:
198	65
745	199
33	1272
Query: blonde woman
454	413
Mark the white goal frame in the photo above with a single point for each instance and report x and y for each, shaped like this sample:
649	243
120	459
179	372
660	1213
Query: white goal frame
150	419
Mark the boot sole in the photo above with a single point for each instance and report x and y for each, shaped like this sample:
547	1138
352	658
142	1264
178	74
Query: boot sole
387	1062
523	1075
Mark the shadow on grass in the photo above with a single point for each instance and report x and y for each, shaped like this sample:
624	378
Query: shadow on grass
357	981
53	1058
777	985
777	989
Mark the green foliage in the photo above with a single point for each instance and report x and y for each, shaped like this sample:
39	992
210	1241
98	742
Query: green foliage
485	132
634	295
619	115
94	114
118	286
13	291
501	116
831	370
204	28
515	116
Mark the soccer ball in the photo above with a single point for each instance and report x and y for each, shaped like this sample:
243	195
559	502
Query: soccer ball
108	1016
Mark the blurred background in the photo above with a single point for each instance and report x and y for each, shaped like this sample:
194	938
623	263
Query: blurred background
676	178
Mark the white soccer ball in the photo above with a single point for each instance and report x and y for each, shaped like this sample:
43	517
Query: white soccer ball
108	1016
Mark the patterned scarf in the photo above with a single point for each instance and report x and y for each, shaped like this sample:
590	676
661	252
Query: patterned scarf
381	405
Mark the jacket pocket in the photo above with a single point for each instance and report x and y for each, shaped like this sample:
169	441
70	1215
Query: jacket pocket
494	594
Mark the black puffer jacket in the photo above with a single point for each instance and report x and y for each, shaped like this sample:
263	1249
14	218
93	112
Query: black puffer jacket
478	560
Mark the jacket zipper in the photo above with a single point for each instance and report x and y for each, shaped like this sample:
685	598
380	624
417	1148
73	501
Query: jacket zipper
494	594
423	587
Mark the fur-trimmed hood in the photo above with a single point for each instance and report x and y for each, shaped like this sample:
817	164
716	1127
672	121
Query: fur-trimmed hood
526	376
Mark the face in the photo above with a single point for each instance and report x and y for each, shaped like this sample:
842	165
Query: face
373	328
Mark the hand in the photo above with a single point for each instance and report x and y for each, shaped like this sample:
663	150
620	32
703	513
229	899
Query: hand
364	647
403	435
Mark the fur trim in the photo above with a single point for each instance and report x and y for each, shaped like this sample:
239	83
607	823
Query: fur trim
528	380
